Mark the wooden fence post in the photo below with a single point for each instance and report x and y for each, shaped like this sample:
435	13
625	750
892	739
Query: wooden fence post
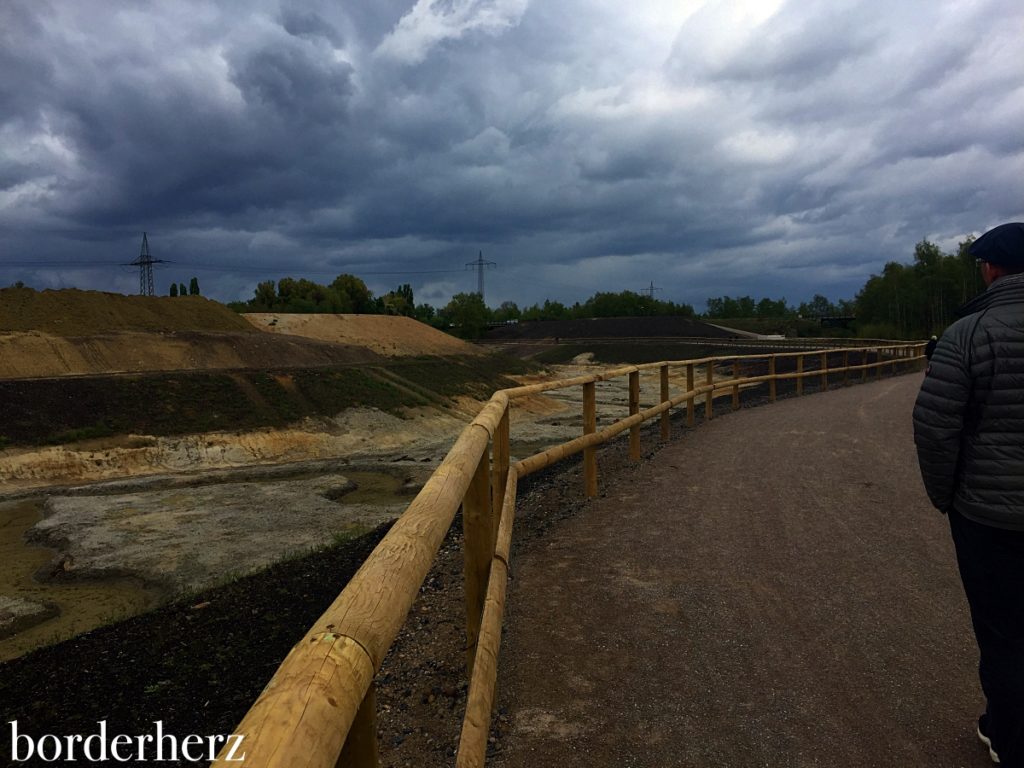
690	408
634	407
664	397
771	382
846	367
478	550
824	371
799	374
589	426
736	371
360	749
499	468
709	379
864	363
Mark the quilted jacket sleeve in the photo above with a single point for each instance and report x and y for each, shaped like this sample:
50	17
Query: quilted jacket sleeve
939	416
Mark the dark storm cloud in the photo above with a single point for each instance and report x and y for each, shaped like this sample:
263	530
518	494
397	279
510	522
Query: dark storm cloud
708	146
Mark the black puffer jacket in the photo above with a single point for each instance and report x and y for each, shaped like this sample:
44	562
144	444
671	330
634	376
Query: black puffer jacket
969	415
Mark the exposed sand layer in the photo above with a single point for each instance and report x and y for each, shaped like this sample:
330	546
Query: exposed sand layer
35	354
358	432
390	335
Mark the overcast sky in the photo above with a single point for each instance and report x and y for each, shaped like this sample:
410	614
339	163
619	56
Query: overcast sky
730	147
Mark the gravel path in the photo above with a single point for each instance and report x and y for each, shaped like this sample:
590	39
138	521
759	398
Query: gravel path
772	590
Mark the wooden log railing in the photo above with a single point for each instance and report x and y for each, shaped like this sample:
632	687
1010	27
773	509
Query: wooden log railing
319	708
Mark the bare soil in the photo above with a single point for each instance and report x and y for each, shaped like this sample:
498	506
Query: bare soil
389	335
36	355
75	333
71	312
609	328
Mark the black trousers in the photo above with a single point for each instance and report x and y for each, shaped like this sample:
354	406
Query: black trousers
991	562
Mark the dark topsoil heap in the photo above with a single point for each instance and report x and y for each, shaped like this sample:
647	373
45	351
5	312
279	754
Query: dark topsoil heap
71	312
610	328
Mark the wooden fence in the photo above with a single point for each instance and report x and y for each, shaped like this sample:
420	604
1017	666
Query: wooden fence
319	709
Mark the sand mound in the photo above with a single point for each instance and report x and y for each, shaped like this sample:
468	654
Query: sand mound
71	312
389	335
41	355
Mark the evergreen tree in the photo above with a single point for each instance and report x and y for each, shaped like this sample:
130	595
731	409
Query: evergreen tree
174	289
193	287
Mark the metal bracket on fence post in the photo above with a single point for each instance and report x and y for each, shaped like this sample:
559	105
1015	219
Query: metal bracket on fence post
589	426
634	408
664	396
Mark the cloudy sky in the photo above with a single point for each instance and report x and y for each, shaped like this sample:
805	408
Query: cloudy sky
761	147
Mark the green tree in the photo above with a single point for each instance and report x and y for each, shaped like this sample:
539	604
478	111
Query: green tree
174	289
818	306
467	314
266	297
181	290
508	310
425	313
399	302
193	287
358	296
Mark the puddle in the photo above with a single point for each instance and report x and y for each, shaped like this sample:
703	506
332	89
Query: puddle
87	603
83	605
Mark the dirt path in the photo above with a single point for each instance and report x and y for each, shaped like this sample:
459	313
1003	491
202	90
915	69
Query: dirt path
772	590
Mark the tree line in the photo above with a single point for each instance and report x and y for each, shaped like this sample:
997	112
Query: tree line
905	301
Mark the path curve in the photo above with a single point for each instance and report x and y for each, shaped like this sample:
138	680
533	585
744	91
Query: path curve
773	589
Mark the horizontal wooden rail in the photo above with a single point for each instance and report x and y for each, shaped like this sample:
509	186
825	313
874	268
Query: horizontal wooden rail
319	708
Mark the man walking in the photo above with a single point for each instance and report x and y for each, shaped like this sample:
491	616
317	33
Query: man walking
969	432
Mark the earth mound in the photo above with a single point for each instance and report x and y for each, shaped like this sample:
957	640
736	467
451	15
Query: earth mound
72	312
389	335
36	355
610	328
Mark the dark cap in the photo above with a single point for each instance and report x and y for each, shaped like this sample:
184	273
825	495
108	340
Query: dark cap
1003	245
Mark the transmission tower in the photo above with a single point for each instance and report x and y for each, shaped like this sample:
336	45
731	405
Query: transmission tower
650	291
480	264
145	264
